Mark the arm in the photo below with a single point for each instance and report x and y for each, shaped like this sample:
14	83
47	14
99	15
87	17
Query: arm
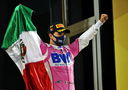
88	35
91	32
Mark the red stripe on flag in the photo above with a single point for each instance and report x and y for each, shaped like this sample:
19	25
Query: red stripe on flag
36	77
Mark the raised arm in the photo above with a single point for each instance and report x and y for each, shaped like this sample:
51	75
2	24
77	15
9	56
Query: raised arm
91	32
88	35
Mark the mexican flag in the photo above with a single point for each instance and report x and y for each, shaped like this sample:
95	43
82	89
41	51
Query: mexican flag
22	44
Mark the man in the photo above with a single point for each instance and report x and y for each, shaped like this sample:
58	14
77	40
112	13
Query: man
44	66
60	58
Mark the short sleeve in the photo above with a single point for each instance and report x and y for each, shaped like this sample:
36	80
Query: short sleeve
74	47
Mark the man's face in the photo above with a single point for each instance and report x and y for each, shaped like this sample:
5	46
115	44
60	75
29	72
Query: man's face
57	38
58	34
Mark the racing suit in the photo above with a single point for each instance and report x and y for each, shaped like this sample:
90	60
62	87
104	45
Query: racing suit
59	60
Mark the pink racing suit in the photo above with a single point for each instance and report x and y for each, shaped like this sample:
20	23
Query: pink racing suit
59	60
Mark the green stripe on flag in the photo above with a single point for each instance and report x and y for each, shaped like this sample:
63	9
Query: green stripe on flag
20	21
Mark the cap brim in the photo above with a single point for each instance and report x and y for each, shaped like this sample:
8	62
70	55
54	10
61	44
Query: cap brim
63	30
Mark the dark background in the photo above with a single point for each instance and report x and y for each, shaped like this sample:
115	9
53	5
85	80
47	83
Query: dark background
107	47
79	10
10	77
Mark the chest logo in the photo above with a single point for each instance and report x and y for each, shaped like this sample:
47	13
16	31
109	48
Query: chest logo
58	58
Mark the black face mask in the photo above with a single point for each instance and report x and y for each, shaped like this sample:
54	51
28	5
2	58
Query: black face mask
59	40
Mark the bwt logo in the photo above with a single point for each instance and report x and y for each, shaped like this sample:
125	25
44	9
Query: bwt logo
57	58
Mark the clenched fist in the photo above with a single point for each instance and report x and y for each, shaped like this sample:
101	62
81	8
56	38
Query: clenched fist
103	18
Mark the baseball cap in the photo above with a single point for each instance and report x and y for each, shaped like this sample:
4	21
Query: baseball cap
59	27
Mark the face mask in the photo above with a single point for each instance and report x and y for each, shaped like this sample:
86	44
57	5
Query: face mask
59	40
